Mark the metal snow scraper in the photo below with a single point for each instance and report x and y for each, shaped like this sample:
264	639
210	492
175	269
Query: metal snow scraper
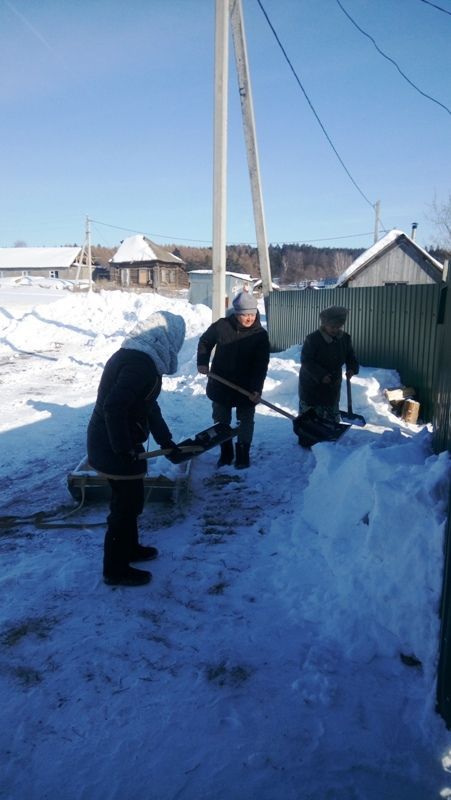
349	416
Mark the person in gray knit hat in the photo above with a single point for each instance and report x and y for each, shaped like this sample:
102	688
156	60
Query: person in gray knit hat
323	354
241	357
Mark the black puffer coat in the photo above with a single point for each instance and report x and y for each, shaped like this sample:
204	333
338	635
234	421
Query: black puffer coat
323	355
241	356
125	413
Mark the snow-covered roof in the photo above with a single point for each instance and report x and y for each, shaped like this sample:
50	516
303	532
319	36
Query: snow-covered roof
258	283
37	257
240	275
140	248
377	248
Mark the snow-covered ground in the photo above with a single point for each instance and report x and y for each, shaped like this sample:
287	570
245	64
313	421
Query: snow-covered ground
286	648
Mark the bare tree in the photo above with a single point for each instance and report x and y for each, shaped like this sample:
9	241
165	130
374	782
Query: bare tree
441	217
341	261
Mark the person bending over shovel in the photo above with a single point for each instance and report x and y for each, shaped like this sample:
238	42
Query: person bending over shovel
241	357
126	411
322	357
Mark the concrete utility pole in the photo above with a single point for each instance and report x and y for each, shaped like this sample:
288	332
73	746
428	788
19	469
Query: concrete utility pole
247	110
88	249
377	208
220	157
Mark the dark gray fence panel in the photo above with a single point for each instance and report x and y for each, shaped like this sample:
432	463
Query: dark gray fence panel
393	327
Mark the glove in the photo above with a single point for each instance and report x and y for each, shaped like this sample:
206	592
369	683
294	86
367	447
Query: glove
130	455
175	456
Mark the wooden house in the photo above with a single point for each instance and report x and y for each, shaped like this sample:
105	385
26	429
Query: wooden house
40	262
139	262
395	259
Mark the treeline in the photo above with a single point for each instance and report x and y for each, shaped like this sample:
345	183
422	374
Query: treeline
290	263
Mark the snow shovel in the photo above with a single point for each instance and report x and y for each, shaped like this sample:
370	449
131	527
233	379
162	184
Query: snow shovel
349	416
205	440
309	431
249	394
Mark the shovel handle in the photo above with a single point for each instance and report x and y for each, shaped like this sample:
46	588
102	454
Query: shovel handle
249	394
165	451
348	390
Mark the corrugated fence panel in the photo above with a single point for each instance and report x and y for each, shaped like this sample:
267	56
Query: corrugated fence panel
392	327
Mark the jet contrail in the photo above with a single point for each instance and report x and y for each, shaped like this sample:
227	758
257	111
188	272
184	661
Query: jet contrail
28	24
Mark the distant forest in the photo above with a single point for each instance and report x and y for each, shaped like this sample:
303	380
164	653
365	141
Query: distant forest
290	263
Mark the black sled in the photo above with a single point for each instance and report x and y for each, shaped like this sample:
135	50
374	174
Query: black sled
311	429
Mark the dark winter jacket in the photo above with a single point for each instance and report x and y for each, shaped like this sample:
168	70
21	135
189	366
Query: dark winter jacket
241	356
126	410
323	355
125	413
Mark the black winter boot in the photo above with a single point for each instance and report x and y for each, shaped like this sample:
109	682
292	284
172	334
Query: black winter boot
242	455
226	456
140	552
129	576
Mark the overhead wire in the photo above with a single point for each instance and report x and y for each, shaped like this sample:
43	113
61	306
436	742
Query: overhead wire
312	107
234	244
392	61
167	237
439	8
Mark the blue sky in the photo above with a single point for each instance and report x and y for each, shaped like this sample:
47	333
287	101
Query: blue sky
107	111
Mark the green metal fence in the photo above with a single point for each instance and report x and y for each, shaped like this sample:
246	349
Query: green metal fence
393	327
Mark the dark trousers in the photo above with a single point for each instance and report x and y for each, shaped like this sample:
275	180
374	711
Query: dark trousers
245	416
126	504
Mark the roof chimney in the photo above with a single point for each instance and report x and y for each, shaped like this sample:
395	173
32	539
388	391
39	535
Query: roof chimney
414	230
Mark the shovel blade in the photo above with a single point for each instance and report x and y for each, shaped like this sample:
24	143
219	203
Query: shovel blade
353	419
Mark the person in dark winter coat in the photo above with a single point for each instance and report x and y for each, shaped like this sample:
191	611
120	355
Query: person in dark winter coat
323	355
125	413
242	357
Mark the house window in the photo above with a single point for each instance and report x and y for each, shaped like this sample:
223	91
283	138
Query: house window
53	273
25	272
396	283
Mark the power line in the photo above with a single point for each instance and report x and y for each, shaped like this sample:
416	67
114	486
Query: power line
439	8
312	107
167	237
330	238
392	61
230	244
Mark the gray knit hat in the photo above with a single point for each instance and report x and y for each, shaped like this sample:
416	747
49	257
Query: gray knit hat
335	315
244	303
